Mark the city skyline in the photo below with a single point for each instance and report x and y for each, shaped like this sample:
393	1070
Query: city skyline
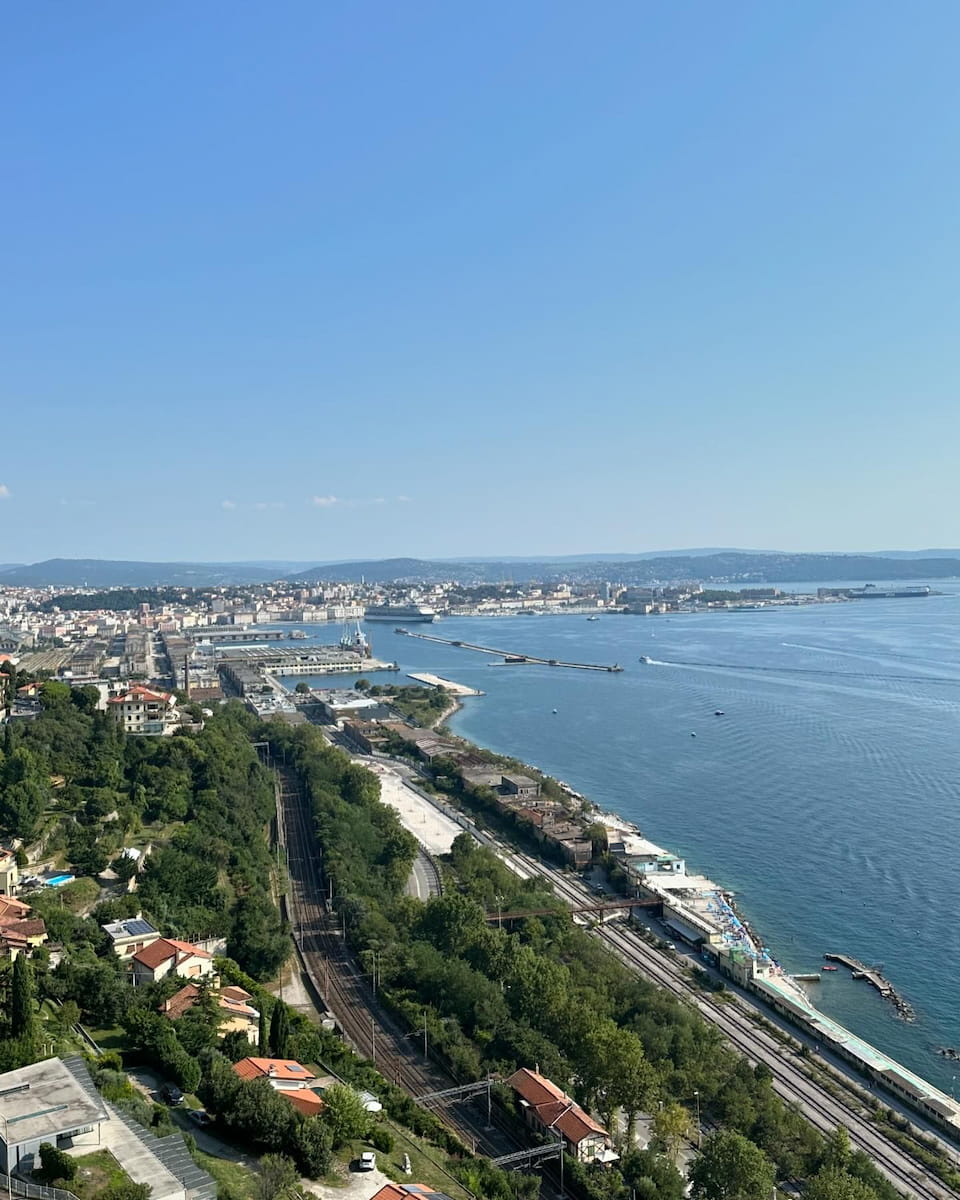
331	285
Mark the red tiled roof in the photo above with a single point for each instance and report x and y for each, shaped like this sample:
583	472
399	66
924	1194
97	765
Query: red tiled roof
286	1069
554	1108
180	1001
158	952
187	997
138	692
23	930
308	1102
12	910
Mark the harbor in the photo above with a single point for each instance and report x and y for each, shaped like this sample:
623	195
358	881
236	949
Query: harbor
876	980
511	656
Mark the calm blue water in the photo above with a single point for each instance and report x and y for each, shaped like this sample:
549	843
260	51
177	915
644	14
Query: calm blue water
827	797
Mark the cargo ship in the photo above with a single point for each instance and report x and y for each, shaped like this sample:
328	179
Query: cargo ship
400	612
870	591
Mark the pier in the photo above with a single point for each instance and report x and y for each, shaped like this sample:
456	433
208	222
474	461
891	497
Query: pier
510	656
437	681
886	989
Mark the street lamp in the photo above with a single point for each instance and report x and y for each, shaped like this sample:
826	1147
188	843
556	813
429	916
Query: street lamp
696	1096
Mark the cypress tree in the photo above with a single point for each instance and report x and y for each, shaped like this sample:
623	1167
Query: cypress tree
21	998
279	1030
263	1040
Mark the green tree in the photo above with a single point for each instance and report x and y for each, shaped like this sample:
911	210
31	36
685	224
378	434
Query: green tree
837	1153
263	1030
732	1168
279	1030
313	1147
278	1177
302	688
834	1184
345	1115
21	998
672	1126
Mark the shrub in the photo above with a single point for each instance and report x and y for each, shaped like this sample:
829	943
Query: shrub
381	1139
56	1164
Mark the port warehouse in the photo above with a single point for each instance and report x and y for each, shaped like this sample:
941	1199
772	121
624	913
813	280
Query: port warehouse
661	876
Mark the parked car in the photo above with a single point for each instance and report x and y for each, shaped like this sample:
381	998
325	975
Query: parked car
171	1094
200	1116
367	1161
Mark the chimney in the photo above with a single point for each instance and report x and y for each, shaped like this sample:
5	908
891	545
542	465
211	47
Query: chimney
271	1070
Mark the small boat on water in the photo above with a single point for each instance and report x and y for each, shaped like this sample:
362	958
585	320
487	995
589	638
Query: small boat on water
556	710
644	658
718	712
693	734
829	968
593	618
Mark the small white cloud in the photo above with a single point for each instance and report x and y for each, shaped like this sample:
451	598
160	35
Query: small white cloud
404	500
228	504
326	501
4	492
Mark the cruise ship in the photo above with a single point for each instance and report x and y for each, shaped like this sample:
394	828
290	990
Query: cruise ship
400	612
870	591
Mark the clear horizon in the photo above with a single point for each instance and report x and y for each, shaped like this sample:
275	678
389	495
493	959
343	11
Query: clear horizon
315	283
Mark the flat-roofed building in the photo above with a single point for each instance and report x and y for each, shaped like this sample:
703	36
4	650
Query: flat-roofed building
131	935
44	1103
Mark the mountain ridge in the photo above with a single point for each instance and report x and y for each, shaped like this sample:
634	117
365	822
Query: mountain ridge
645	568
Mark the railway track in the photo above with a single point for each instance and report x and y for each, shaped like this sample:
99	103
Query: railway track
821	1108
328	962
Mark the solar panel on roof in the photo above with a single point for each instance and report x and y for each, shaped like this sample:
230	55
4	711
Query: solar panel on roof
293	1067
136	927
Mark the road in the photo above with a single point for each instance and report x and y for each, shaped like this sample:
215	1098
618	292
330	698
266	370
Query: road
424	880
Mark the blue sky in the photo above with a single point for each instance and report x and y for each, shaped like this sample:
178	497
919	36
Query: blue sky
308	280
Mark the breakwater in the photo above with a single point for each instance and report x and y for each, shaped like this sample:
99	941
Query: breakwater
878	981
511	656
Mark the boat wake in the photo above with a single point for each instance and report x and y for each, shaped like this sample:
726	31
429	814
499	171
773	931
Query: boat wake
850	676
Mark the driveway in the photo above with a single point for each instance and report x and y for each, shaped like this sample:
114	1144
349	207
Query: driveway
358	1185
148	1083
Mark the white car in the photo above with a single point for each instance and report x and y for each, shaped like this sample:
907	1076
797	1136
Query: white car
368	1161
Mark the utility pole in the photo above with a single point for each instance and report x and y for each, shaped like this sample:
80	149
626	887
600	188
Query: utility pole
425	1055
373	1040
699	1130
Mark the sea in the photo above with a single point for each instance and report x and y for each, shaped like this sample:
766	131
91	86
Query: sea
827	796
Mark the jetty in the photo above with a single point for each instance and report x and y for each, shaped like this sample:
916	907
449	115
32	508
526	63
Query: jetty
448	685
876	980
510	656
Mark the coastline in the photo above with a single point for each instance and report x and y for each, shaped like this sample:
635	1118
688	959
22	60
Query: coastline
786	995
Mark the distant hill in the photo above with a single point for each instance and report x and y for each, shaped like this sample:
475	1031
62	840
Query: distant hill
97	573
384	570
726	566
715	566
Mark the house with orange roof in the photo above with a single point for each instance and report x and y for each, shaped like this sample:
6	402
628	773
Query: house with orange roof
408	1191
237	1013
168	956
23	936
141	710
550	1111
20	933
288	1077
